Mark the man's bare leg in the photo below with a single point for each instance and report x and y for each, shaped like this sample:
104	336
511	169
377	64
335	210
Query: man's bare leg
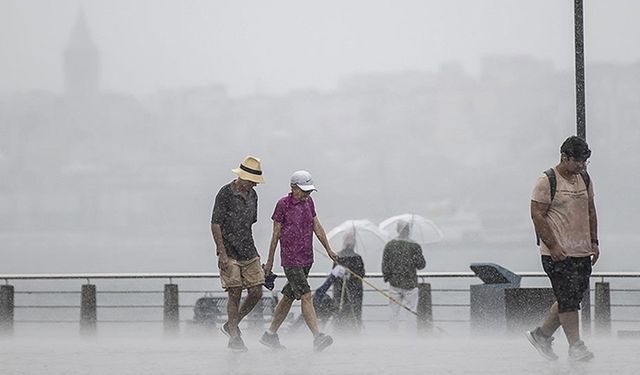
233	314
552	321
570	325
253	297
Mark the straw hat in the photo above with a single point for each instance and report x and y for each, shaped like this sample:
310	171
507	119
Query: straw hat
250	170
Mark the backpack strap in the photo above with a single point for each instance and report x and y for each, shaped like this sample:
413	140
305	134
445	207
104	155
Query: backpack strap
586	178
553	183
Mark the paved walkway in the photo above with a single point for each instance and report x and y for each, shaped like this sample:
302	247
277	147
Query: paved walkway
370	353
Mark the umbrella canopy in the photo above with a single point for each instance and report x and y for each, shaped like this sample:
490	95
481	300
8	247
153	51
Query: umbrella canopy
422	231
364	237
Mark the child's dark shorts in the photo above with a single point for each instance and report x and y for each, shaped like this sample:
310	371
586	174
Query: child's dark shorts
297	284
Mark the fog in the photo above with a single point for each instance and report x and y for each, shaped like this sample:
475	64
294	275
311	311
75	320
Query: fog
363	355
119	122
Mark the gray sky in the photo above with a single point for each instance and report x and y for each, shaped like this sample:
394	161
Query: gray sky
276	46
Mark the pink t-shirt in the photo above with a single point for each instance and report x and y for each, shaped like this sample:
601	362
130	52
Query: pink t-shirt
568	214
296	234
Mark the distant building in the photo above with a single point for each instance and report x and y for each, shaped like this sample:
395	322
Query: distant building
81	62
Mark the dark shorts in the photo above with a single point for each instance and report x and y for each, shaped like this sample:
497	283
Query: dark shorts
297	284
569	279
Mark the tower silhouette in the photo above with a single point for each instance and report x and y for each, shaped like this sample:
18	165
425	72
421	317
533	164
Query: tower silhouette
81	62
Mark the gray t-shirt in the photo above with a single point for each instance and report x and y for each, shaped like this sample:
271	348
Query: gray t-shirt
235	215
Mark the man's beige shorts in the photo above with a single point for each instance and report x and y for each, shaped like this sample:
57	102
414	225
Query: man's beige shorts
242	273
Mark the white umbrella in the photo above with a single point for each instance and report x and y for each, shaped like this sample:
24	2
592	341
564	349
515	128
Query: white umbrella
422	231
369	241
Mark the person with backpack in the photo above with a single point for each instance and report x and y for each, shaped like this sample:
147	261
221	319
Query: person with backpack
565	221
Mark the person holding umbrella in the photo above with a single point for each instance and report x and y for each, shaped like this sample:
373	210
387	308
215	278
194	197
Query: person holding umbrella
294	223
401	260
348	290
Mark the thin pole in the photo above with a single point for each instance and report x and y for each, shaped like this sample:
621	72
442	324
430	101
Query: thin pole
581	121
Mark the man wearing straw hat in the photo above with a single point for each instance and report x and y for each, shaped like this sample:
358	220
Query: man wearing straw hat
294	223
234	212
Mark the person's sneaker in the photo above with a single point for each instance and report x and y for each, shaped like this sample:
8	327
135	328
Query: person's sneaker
321	342
542	343
271	340
236	344
225	329
579	352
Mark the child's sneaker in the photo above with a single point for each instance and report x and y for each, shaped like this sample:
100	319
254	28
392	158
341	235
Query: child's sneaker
272	340
236	344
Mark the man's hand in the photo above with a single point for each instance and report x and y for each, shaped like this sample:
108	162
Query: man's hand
332	255
557	254
595	253
223	261
267	267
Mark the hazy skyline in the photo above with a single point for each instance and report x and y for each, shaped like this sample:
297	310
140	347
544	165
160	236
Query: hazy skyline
277	46
87	172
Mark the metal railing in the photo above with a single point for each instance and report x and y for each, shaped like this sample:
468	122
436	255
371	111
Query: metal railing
143	301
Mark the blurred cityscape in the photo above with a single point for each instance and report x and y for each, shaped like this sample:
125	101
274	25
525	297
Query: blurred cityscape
440	144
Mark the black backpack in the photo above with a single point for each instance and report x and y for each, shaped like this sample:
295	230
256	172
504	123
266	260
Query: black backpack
553	183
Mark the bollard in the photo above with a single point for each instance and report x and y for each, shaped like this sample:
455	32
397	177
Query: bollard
171	309
6	309
602	310
425	311
586	312
88	310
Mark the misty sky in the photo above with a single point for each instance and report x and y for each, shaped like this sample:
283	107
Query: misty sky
276	46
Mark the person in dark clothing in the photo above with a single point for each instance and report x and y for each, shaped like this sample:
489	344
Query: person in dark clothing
400	261
234	212
325	306
347	291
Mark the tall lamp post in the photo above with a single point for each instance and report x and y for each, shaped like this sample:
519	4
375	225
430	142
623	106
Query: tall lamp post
581	126
581	121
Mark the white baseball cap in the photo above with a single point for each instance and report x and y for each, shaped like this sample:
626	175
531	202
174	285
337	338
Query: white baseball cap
303	180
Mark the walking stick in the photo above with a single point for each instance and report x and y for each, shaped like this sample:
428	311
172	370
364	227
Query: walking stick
385	294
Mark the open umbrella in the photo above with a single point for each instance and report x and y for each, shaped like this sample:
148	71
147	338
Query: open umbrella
366	238
422	231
